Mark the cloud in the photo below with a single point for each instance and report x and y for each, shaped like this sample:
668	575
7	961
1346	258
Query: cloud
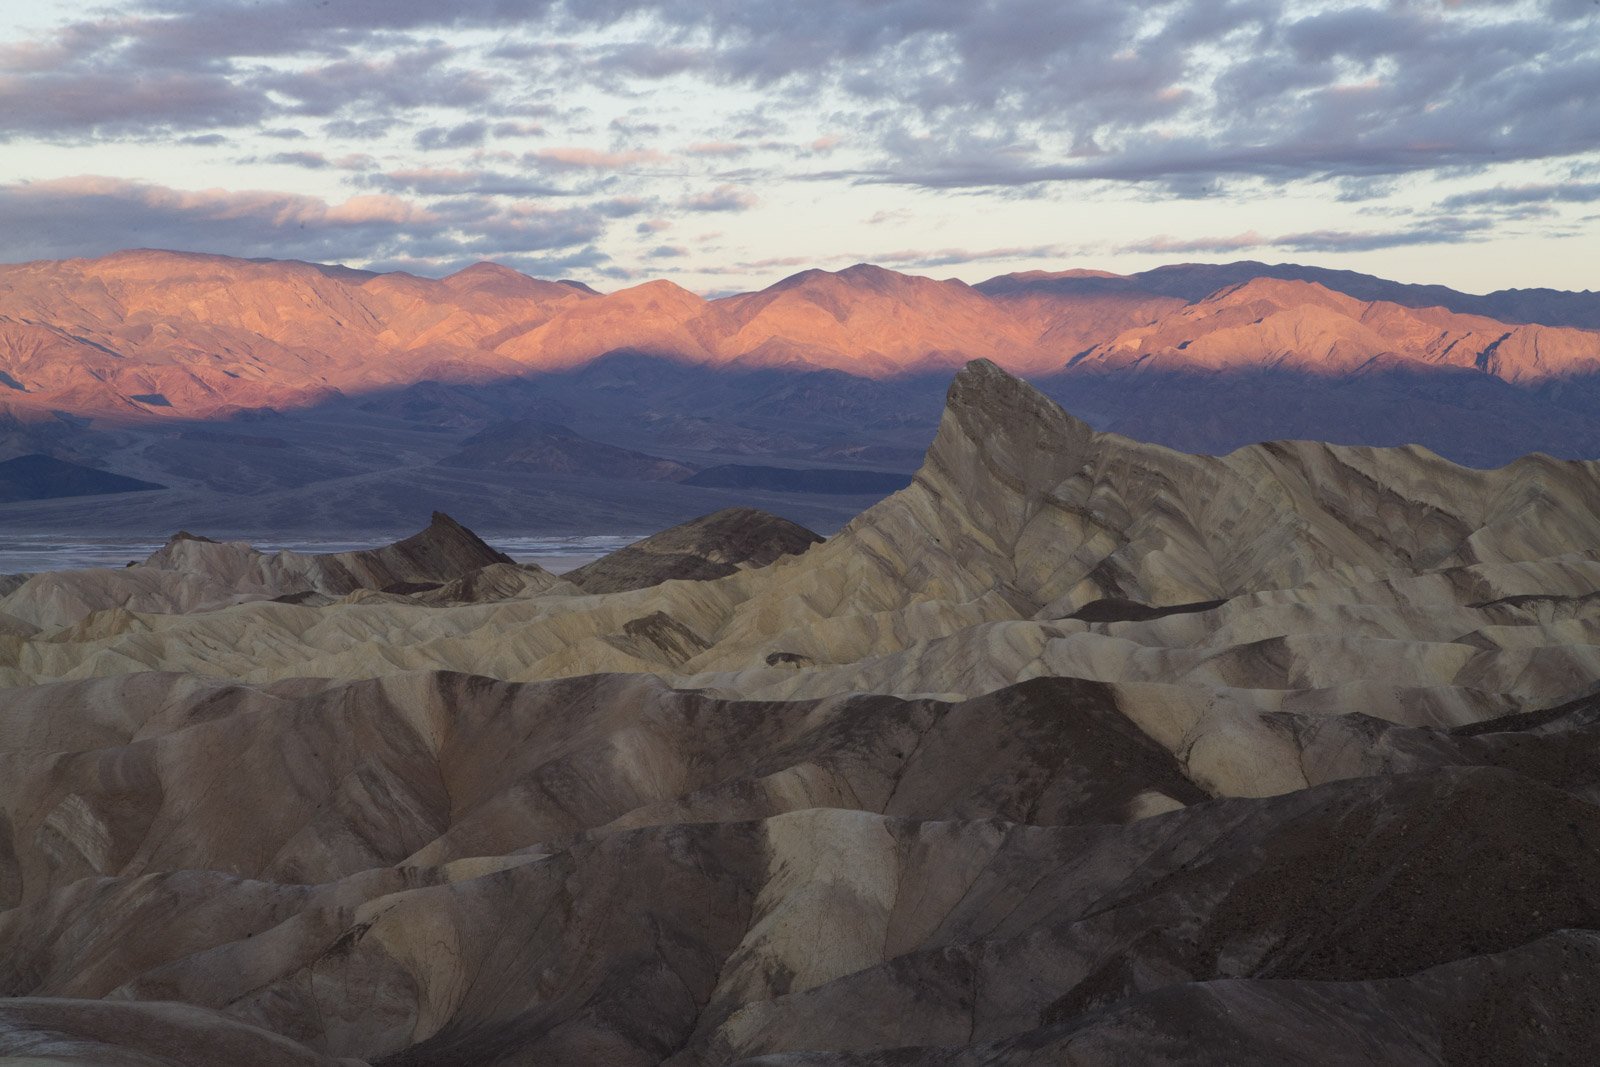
622	207
721	198
1438	231
93	215
949	257
409	78
309	160
645	99
458	181
717	148
1538	193
943	93
464	135
517	128
594	159
73	103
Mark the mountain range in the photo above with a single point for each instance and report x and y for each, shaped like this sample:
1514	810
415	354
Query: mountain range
257	391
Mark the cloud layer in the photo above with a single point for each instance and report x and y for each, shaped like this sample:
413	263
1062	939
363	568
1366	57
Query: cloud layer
527	126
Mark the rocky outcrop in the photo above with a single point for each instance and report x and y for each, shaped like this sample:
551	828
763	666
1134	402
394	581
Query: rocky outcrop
711	546
192	574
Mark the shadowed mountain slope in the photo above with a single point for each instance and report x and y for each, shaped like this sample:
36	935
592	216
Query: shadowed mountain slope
38	477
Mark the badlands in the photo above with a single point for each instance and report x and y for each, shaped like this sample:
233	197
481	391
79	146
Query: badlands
1076	750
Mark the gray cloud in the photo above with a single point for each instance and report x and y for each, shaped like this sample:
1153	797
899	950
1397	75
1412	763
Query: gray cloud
954	94
1438	231
457	181
1540	193
949	257
465	135
95	215
725	197
309	160
1185	97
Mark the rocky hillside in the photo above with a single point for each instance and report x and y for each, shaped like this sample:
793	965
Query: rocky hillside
1077	748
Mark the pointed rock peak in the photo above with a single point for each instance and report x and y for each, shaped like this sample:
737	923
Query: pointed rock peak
446	542
1008	420
984	391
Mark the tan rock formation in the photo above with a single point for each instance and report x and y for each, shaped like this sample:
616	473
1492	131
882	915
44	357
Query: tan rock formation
1075	749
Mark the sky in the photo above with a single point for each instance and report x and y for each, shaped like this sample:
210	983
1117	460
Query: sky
728	143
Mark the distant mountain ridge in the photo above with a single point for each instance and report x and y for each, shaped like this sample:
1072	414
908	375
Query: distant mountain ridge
1192	281
148	334
365	401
